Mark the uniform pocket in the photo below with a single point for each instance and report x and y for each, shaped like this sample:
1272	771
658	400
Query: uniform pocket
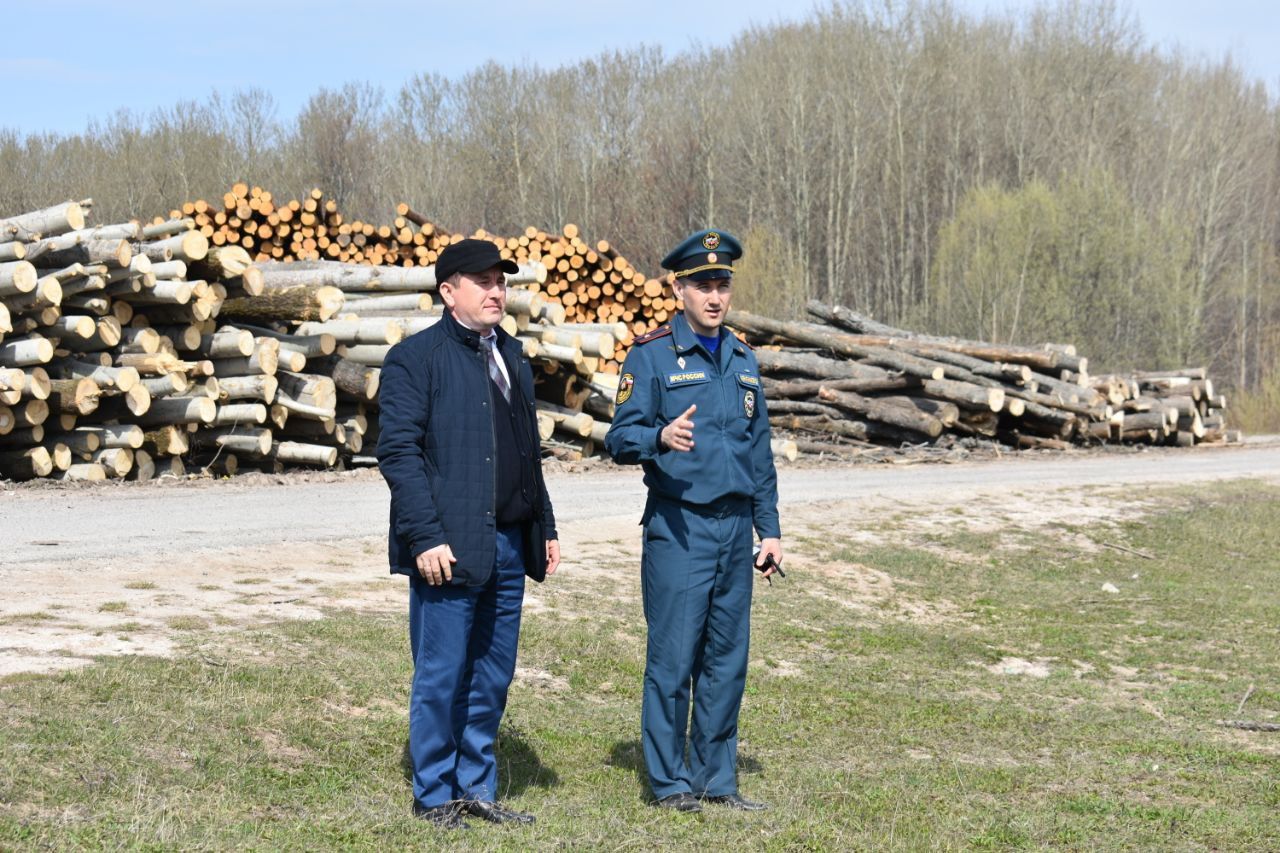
748	395
683	389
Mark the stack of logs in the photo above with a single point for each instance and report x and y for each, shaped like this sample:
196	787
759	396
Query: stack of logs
592	282
127	349
847	380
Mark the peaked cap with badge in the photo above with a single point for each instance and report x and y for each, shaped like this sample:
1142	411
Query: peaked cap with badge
704	255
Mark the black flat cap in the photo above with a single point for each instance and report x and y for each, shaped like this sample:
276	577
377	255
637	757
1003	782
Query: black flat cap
471	256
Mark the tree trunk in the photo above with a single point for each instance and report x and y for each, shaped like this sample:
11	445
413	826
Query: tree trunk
908	418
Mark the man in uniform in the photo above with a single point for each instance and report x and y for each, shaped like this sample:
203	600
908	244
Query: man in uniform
470	517
690	411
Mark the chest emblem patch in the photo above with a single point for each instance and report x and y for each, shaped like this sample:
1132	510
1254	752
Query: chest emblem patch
625	385
749	403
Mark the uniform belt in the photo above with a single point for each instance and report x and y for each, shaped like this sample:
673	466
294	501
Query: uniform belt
725	507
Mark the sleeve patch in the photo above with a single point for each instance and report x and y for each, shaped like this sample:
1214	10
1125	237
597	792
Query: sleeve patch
625	385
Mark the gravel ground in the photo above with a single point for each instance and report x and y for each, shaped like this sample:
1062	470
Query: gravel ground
133	568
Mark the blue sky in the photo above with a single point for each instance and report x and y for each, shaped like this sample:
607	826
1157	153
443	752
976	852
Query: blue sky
67	62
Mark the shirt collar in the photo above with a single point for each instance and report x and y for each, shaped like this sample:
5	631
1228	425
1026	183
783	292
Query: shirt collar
685	339
491	338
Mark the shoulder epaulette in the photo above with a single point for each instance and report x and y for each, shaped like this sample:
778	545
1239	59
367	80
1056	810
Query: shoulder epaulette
660	332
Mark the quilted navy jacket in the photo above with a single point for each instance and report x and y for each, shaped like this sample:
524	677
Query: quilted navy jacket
436	451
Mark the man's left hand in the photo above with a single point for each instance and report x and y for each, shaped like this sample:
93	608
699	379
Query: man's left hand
767	547
553	555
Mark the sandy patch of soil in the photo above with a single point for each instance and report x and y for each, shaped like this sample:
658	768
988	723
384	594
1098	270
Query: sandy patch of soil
58	616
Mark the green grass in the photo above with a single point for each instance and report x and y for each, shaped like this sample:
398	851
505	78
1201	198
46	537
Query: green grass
864	726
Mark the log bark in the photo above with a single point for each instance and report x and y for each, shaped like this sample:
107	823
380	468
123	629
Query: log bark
804	333
114	254
26	352
399	303
180	410
236	439
78	396
108	436
248	388
189	246
1041	359
115	461
794	388
358	380
312	346
314	304
25	464
907	418
167	441
298	453
377	331
264	361
58	219
946	412
121	379
82	472
965	394
144	467
240	413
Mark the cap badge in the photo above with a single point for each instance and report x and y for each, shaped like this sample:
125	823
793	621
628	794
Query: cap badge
711	257
711	242
624	388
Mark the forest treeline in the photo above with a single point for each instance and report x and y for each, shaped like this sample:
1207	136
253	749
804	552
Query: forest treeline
1042	175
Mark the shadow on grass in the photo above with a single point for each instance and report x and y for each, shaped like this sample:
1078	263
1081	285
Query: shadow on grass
627	755
519	767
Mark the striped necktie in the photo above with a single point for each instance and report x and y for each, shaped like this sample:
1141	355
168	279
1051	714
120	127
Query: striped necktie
495	372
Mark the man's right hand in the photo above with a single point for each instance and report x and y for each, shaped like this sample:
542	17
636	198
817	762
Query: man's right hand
436	565
678	435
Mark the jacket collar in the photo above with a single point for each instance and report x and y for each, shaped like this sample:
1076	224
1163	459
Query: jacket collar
469	337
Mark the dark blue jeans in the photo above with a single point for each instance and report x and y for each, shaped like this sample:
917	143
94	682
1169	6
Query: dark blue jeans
464	656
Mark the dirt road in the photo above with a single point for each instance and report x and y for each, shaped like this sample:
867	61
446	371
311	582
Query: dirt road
127	569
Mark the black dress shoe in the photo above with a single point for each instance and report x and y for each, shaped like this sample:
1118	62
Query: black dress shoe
494	813
445	816
734	801
681	802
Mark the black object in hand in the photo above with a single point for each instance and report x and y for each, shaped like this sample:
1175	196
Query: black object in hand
770	562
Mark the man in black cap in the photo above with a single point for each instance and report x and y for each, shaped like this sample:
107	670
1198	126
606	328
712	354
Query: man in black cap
470	518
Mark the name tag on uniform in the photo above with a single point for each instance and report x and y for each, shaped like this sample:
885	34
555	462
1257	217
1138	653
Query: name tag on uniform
692	377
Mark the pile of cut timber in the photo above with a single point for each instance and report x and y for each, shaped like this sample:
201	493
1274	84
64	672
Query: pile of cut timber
125	349
849	380
592	282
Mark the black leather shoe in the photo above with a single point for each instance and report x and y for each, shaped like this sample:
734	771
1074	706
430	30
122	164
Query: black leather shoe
445	817
734	801
494	813
681	802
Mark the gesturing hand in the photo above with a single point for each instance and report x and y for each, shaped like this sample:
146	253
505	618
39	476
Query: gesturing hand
678	435
436	565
